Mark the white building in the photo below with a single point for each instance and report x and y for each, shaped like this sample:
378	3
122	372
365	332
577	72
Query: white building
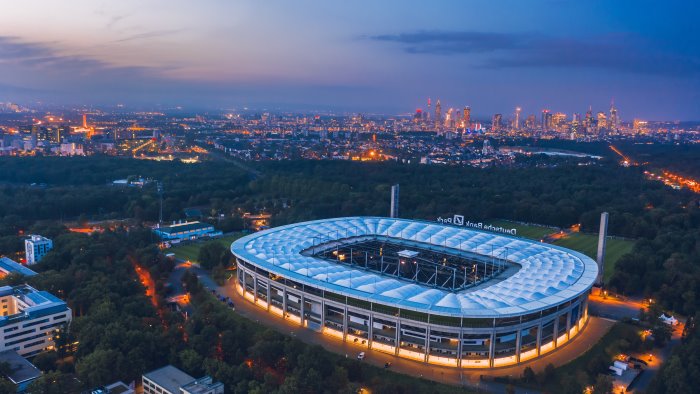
36	247
170	380
30	318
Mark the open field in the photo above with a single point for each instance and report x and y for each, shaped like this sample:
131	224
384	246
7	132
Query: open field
588	245
190	251
531	231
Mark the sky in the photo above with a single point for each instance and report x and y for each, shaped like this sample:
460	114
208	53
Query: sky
356	56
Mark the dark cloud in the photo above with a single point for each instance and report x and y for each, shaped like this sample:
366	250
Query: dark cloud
623	53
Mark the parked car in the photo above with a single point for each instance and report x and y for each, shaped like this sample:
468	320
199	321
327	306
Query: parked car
361	356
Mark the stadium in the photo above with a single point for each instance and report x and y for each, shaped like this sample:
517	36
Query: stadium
431	292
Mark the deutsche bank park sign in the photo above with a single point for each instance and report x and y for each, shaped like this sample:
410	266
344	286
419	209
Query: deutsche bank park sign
458	220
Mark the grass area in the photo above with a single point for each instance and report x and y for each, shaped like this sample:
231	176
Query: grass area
190	251
531	231
588	245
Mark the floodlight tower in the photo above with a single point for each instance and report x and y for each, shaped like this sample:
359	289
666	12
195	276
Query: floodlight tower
159	188
602	236
394	212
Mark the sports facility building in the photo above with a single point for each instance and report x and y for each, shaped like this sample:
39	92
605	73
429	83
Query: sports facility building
426	291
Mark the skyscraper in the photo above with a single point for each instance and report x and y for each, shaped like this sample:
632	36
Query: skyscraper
496	122
467	116
517	118
438	114
546	119
614	120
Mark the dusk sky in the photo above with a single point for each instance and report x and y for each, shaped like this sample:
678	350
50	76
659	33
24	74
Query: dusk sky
369	56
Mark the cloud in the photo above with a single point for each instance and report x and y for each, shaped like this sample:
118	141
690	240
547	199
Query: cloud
149	34
624	53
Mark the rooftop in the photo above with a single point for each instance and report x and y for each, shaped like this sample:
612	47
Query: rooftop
10	266
186	226
170	378
545	275
21	369
39	303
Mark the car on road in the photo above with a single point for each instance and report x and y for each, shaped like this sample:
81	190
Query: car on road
361	356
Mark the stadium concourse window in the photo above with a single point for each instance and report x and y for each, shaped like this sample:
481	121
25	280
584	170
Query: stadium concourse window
334	297
446	321
528	339
415	316
387	310
505	344
384	331
477	323
476	346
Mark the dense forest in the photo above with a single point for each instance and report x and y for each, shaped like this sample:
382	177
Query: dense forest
37	194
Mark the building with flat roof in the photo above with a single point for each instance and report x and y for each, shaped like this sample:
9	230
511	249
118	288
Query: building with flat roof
9	266
30	318
170	380
431	292
36	247
21	372
186	231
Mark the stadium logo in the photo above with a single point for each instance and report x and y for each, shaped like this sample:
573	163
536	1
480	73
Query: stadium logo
458	220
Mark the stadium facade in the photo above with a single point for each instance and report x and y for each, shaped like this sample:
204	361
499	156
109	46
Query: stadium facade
426	291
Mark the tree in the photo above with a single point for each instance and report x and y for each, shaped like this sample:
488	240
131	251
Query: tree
603	385
528	375
212	254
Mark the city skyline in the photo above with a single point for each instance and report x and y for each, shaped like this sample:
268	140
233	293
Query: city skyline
363	57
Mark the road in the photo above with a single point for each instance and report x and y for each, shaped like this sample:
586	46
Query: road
595	329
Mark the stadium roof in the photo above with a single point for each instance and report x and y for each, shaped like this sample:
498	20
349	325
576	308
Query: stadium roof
548	275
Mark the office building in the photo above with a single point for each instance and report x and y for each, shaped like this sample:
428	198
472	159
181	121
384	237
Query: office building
20	371
30	318
170	380
36	247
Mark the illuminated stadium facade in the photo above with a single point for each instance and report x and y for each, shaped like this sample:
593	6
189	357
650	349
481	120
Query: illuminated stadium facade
426	291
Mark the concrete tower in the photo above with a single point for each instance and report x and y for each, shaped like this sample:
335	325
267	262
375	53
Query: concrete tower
602	236
394	201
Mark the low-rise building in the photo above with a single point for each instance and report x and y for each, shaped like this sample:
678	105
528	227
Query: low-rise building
186	231
30	319
170	380
9	266
20	371
36	247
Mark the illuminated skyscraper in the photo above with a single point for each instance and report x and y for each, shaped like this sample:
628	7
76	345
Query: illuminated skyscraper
467	116
517	118
427	113
530	121
438	113
602	120
558	120
546	119
85	121
496	122
614	120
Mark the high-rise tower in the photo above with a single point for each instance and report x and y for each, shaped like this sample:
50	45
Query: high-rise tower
467	116
614	120
517	118
438	113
